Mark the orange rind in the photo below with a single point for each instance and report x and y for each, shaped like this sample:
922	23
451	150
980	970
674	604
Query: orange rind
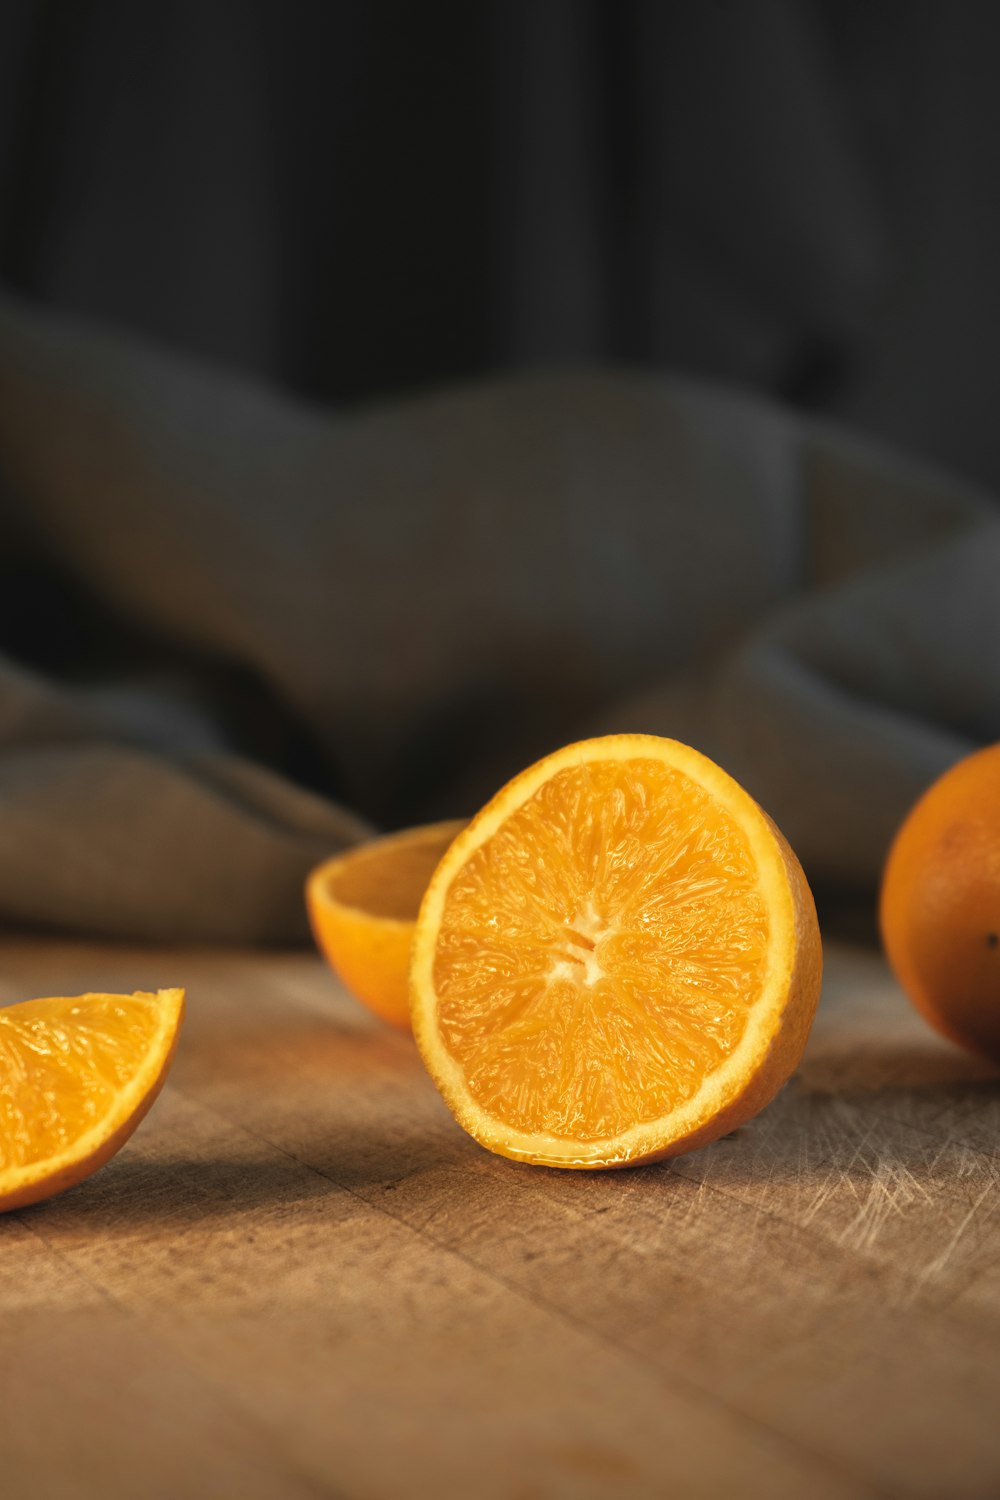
363	906
77	1075
617	960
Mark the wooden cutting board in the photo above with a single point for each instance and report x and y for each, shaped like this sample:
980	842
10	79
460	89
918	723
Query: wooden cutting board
300	1279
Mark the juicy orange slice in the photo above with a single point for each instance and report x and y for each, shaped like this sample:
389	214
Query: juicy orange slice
618	959
76	1077
363	909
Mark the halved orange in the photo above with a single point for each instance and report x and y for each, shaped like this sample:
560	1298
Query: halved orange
76	1077
363	908
618	960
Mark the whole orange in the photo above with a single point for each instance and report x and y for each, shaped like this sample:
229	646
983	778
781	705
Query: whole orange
940	904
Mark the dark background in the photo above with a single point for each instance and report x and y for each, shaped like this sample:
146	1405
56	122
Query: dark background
373	419
365	197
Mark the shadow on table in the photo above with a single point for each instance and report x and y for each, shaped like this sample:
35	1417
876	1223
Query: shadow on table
920	1119
919	1066
136	1191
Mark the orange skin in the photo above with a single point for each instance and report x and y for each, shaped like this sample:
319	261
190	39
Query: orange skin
793	1007
363	906
940	904
48	1185
46	1181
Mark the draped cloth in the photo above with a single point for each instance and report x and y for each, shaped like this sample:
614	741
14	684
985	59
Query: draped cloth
238	631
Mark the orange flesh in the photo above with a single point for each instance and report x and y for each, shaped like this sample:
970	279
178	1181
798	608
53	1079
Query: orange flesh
63	1067
387	886
599	955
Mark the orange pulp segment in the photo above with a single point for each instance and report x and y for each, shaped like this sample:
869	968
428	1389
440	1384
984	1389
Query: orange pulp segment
76	1077
618	960
363	908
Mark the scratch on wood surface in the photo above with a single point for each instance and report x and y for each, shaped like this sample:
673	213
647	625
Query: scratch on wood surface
960	1160
937	1265
890	1189
877	1179
693	1201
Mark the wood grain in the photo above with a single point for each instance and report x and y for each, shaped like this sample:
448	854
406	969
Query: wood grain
301	1279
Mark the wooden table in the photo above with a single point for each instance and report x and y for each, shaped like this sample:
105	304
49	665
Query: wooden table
300	1279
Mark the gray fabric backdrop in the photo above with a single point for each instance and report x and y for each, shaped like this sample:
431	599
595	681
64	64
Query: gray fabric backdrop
210	591
354	199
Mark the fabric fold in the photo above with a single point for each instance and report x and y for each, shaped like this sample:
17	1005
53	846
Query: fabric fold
315	621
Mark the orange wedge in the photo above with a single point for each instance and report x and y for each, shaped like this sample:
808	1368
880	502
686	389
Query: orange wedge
363	908
618	960
76	1077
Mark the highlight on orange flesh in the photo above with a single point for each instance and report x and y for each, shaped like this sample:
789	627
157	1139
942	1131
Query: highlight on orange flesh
363	906
940	903
617	961
76	1077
